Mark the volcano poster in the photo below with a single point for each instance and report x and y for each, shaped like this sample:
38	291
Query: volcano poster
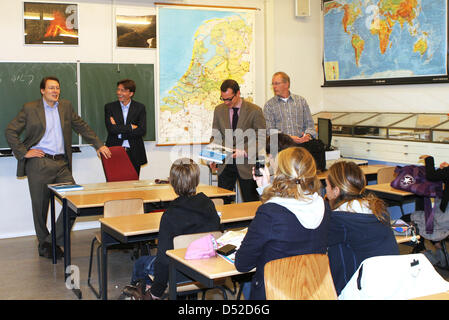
51	23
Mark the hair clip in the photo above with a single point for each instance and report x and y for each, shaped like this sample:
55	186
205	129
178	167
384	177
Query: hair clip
297	181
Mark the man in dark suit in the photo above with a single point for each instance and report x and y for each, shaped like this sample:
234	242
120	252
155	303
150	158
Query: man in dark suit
126	123
238	124
45	154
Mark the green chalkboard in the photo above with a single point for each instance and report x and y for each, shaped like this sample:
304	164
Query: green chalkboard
19	83
98	87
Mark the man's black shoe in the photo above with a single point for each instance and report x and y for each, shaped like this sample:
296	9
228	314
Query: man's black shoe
45	250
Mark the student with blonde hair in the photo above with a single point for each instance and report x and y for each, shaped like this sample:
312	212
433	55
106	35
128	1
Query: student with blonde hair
291	221
359	225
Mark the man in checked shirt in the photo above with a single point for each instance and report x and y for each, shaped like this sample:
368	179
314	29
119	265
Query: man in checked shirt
288	113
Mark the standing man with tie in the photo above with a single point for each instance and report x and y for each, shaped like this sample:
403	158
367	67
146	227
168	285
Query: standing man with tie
45	154
242	121
126	123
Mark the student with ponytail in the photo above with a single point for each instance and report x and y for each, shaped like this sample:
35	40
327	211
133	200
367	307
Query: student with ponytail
291	220
359	224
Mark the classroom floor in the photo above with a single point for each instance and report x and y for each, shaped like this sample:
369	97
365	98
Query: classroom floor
26	276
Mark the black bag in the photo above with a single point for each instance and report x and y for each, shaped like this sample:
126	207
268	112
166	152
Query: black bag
318	150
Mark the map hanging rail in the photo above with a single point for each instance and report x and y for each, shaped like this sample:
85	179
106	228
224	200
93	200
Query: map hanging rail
202	5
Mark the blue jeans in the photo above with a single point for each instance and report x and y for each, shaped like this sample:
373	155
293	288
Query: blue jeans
144	267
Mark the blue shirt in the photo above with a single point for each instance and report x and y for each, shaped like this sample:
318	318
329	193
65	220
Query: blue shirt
125	110
53	140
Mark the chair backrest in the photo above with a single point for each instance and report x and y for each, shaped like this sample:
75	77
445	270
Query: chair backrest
217	201
385	175
123	207
184	240
118	167
302	277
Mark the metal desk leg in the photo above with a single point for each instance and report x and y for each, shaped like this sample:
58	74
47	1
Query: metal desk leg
53	226
67	246
67	254
171	280
104	266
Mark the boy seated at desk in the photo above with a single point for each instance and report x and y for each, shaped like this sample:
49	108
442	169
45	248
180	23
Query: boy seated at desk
190	213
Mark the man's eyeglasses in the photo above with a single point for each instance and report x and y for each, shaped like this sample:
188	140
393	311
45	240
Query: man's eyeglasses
227	99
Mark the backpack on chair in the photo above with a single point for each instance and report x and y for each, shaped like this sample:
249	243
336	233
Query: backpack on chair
413	179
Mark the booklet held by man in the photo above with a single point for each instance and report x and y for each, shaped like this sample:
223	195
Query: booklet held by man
215	153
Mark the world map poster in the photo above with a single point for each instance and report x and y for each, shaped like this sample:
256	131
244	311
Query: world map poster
375	42
197	50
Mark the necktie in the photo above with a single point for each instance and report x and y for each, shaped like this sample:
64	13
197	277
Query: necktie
235	118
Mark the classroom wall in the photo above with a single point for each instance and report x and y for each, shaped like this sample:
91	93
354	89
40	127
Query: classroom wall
96	45
288	43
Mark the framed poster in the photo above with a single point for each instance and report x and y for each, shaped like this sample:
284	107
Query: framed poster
50	23
136	31
383	42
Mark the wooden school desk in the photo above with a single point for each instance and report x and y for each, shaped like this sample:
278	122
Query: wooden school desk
91	199
205	271
136	228
387	192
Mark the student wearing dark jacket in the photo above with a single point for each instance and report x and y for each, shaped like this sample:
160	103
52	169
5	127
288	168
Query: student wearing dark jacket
190	213
291	221
440	220
359	224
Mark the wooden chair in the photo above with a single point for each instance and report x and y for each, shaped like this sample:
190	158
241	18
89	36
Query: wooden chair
385	175
302	277
191	288
217	201
112	208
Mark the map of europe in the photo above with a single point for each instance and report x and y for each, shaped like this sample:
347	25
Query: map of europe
198	49
378	39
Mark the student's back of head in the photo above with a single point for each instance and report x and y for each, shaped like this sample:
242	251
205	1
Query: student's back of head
345	183
278	142
295	176
184	176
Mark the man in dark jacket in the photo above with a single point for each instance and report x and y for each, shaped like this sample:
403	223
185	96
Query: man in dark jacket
126	123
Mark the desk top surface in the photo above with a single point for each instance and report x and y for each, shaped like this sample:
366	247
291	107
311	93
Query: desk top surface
96	195
387	188
403	239
212	268
436	296
149	223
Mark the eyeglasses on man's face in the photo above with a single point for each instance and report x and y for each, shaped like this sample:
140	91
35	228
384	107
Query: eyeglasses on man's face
227	99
